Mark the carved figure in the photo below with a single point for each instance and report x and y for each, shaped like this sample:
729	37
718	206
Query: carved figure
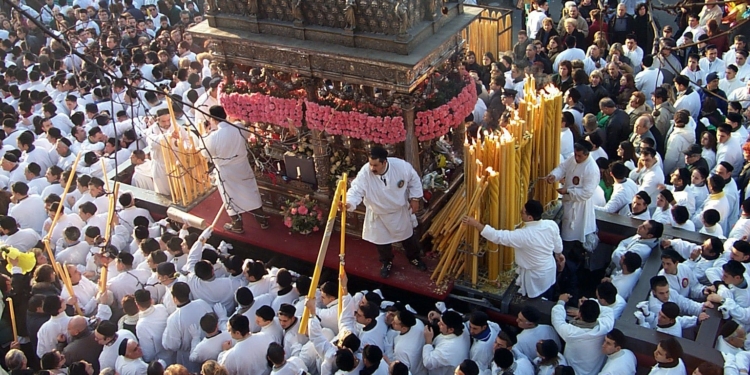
210	6
402	14
351	20
252	7
297	11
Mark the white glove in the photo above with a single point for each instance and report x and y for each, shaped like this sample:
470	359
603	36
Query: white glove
194	331
224	247
206	234
643	306
163	223
441	306
220	311
410	309
724	312
639	316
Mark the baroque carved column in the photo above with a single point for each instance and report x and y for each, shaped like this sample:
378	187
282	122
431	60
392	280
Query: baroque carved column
320	148
411	144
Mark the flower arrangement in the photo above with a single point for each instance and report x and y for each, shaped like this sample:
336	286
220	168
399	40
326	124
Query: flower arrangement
260	107
379	129
434	123
341	163
303	215
303	147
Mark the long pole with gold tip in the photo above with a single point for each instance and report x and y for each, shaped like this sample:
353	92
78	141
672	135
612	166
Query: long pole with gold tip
342	245
322	253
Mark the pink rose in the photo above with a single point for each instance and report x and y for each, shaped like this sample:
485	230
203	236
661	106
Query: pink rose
288	222
293	211
315	228
302	210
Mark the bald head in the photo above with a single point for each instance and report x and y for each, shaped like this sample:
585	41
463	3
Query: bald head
76	325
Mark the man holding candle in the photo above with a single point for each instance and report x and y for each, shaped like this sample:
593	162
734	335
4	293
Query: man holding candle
535	244
390	189
226	146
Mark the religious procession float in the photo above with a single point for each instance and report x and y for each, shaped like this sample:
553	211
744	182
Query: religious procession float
318	84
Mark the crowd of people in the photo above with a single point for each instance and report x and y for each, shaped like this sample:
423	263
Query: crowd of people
654	128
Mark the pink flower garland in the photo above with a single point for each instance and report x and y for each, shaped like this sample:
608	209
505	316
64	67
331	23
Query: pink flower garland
381	130
434	123
258	107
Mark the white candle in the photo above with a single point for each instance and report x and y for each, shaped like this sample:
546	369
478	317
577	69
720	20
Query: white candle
278	167
299	174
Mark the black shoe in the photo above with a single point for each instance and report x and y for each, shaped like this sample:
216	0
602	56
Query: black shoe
419	264
385	270
235	227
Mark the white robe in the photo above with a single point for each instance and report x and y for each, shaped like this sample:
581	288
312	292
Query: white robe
159	169
238	188
621	363
143	176
177	336
445	353
85	291
208	348
29	213
247	356
535	245
150	329
127	282
583	345
386	197
581	180
481	351
407	348
126	366
109	354
293	340
23	240
48	332
679	370
528	338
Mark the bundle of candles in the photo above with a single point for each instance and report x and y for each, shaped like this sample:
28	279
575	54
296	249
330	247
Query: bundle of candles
187	168
497	181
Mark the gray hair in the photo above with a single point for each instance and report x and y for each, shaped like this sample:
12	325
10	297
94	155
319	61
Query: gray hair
15	360
107	371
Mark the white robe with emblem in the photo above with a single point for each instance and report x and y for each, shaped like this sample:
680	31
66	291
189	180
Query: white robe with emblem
386	197
581	180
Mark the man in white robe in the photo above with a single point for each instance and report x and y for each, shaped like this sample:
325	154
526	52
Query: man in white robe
143	174
536	245
27	209
584	335
162	131
22	239
226	145
391	190
289	322
152	320
581	176
56	325
130	361
449	348
211	346
129	279
110	339
178	336
533	332
620	361
408	343
248	354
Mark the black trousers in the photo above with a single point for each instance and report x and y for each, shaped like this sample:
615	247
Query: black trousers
258	214
411	247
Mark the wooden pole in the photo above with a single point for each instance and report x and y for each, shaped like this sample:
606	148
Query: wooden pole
216	218
104	173
12	317
64	194
103	279
321	256
65	276
342	245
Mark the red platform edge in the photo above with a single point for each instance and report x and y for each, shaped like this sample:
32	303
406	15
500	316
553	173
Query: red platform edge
361	256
